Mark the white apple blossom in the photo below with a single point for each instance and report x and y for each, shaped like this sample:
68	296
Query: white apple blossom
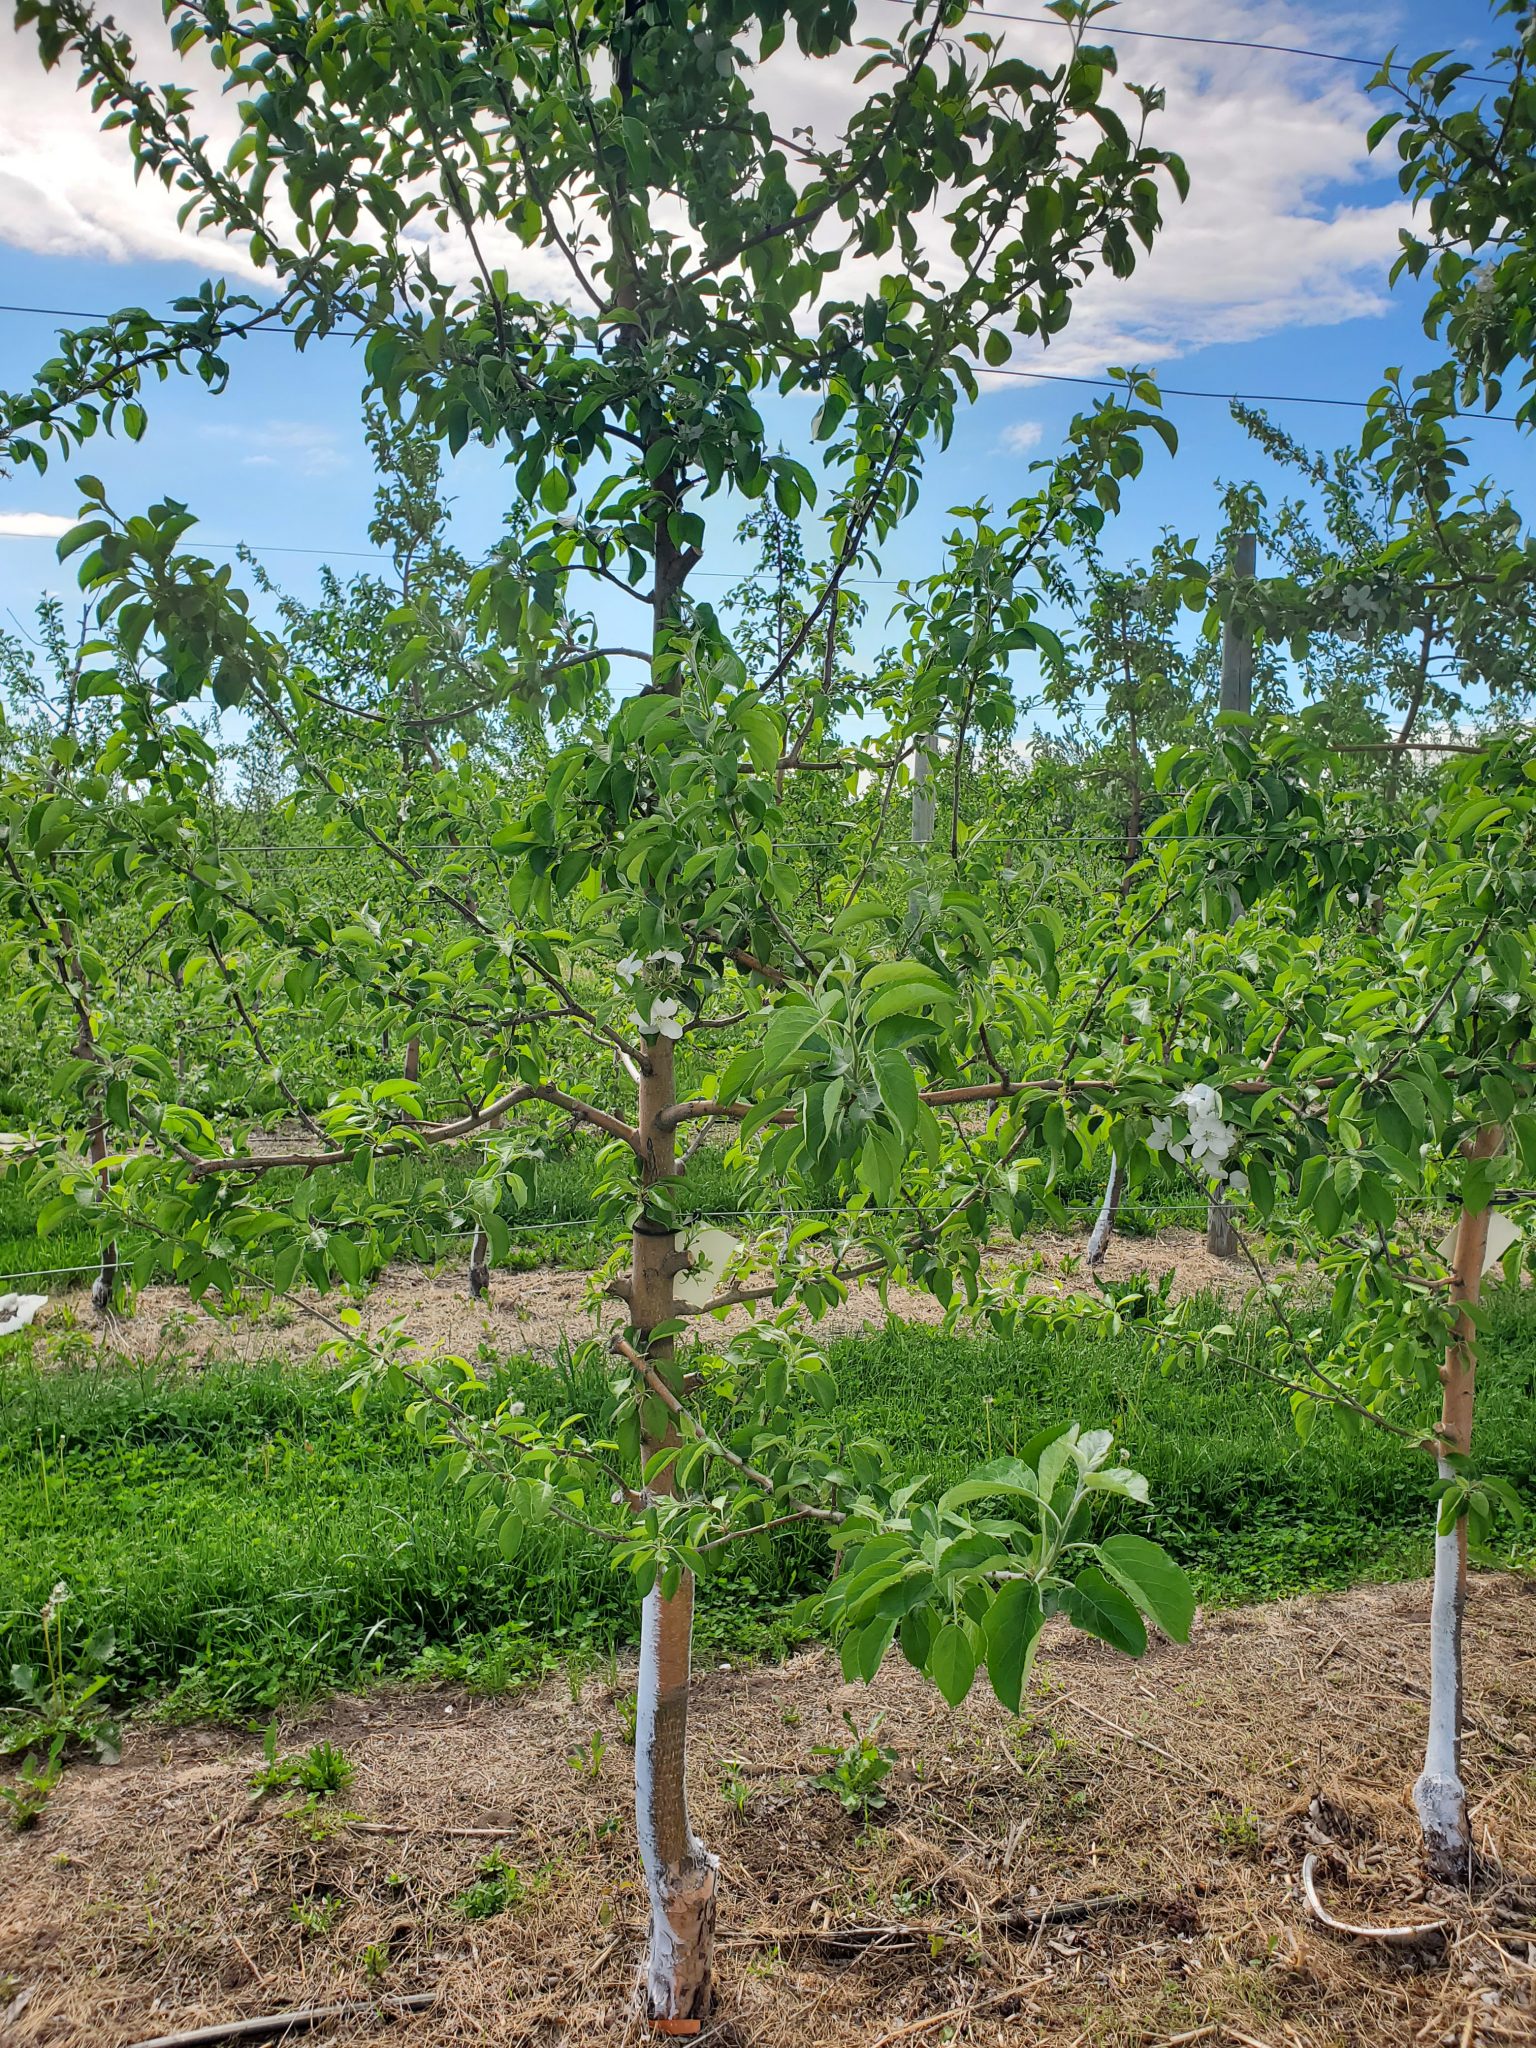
1208	1142
665	1020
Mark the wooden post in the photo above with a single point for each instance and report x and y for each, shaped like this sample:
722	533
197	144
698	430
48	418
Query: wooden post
1236	695
1439	1795
922	795
1237	641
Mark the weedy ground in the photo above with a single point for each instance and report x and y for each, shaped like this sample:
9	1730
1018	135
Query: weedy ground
247	1538
1119	1869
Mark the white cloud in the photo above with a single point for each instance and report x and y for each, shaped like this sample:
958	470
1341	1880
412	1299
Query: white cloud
1280	231
297	446
33	525
66	189
1022	436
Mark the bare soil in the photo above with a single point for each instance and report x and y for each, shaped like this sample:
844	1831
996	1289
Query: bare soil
1118	1870
539	1310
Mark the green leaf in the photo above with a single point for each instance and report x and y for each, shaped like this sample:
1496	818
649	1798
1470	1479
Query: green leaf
917	1633
1104	1611
1010	1631
951	1663
1157	1585
346	1258
898	1089
1002	1475
1327	1208
761	733
788	1029
864	1652
909	1000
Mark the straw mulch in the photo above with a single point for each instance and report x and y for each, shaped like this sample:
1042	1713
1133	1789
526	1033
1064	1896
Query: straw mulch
1120	1868
544	1308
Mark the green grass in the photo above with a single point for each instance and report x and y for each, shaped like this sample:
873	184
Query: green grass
27	1261
552	1227
248	1538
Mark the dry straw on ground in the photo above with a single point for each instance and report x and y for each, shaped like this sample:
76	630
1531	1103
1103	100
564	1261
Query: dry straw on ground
1186	1791
538	1310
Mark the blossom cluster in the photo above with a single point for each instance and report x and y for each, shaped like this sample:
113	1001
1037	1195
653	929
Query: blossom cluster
666	1019
1207	1142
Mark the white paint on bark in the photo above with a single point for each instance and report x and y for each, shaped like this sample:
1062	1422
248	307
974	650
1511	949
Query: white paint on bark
680	1873
1439	1796
1103	1229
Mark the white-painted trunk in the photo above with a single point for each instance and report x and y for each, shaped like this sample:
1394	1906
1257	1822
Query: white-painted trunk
679	1870
1104	1225
479	1265
680	1873
1439	1796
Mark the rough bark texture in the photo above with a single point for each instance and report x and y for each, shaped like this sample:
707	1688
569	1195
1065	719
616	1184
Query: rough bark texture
680	1873
1439	1795
1220	1231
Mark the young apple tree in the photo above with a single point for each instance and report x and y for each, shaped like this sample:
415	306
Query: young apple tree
588	239
1383	967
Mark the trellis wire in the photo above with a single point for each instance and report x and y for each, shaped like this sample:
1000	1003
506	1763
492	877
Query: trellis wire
1071	1211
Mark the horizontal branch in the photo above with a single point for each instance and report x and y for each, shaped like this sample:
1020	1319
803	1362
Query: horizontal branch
427	1134
735	1296
945	1098
806	1514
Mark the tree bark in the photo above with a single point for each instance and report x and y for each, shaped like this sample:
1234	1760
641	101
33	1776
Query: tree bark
1236	695
479	1265
105	1284
1439	1795
680	1873
1104	1226
1220	1231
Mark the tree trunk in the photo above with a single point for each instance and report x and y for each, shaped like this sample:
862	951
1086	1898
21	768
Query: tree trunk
1236	695
1104	1227
1439	1796
479	1266
680	1873
104	1286
1220	1230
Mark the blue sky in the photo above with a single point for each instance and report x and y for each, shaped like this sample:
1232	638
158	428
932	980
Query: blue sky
1272	280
